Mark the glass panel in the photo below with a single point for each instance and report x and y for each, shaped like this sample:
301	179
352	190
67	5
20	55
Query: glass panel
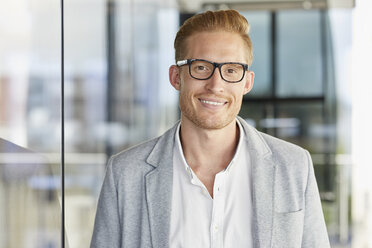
299	57
260	22
303	124
253	113
85	115
117	93
30	211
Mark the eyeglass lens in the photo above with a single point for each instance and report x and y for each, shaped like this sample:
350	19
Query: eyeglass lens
229	72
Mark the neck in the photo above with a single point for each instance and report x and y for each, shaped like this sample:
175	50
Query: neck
205	148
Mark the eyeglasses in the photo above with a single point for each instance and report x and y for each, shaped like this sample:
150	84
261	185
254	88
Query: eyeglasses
231	72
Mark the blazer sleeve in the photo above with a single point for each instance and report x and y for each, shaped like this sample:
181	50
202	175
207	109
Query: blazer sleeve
314	233
107	228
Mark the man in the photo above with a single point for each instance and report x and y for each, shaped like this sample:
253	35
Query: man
212	180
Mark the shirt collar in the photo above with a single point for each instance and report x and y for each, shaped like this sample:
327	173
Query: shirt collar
238	148
180	151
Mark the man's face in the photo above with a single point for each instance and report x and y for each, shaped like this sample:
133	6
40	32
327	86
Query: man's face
212	103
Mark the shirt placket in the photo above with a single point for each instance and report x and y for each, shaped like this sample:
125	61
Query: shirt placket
217	223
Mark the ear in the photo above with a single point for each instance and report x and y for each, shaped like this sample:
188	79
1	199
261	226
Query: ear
248	81
174	77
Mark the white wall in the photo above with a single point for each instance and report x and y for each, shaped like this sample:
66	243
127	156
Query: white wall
362	124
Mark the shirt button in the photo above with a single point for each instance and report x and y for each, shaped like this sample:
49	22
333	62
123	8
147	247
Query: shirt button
216	228
218	191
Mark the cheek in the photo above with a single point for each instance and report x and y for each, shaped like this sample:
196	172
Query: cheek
190	88
185	93
238	94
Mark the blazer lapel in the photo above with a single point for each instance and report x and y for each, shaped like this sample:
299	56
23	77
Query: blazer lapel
159	189
263	171
263	187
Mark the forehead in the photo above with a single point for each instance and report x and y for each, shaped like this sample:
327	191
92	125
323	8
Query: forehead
217	46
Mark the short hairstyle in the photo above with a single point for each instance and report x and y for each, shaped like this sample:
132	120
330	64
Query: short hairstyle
221	20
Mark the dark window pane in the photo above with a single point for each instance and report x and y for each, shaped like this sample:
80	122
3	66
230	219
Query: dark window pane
253	112
299	60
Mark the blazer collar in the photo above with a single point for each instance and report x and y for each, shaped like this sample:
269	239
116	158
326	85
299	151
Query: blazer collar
256	142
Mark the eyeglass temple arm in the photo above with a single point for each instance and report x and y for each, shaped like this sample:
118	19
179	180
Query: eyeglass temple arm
181	62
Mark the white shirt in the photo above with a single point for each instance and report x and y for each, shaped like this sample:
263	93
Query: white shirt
197	219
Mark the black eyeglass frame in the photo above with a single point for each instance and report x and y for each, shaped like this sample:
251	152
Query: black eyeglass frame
219	65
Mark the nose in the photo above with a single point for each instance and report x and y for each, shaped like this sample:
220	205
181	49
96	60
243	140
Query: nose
215	84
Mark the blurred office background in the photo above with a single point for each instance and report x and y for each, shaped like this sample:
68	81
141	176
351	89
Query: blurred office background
312	88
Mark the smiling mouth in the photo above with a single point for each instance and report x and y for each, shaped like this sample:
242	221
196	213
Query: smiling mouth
212	102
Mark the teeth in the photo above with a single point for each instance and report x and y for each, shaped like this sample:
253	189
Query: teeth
212	103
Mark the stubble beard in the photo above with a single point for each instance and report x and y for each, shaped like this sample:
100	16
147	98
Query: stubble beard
204	120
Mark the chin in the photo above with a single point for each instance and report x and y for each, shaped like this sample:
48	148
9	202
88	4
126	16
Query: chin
212	123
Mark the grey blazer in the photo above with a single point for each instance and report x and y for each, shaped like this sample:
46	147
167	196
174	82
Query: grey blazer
135	201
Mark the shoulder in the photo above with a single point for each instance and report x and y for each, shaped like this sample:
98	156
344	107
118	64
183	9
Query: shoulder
127	168
266	144
283	150
136	160
289	159
132	161
138	152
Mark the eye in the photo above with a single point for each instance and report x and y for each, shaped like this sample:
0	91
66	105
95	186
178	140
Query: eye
232	69
201	68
